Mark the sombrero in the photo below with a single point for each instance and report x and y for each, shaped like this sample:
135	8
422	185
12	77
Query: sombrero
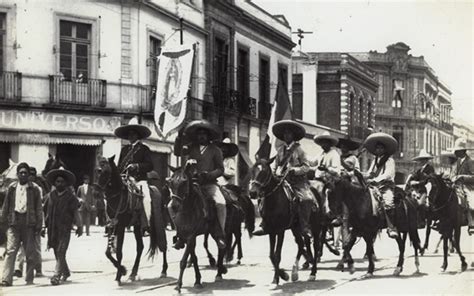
281	126
195	125
122	131
326	136
388	141
349	143
231	148
67	175
423	155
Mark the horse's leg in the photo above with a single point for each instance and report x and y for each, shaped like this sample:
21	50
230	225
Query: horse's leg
164	269
456	243
139	239
401	240
427	237
308	255
347	253
279	245
182	266
212	261
238	240
417	261
272	257
369	240
229	254
221	269
300	243
316	243
121	270
194	260
445	250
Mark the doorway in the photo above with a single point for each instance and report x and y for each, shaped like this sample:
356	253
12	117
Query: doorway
80	160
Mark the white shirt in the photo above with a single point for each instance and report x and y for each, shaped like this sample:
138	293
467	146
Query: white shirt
20	198
331	160
86	187
386	173
229	170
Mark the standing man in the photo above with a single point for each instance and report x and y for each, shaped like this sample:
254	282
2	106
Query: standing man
22	213
381	175
86	198
62	211
135	159
464	180
100	205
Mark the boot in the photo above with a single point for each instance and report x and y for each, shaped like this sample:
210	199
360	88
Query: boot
470	222
260	230
221	217
391	230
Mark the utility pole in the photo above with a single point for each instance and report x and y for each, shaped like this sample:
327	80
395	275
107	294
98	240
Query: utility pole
300	33
181	30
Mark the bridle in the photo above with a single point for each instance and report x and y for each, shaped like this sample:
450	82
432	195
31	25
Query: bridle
445	204
265	183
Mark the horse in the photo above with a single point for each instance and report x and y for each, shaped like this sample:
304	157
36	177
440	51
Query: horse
7	177
121	209
443	203
366	225
192	217
278	216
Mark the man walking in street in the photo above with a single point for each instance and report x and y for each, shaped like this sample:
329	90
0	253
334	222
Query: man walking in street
22	212
62	211
86	198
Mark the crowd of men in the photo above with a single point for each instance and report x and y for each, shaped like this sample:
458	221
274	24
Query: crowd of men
28	210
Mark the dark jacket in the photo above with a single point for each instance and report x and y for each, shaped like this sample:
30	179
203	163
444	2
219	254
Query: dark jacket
423	173
141	155
34	212
211	161
466	167
88	200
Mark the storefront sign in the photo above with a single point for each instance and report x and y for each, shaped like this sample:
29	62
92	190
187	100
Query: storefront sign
55	122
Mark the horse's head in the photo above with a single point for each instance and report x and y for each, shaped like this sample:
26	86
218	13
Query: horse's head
440	189
260	176
104	172
179	185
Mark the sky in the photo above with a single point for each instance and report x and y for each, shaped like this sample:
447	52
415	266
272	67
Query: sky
441	31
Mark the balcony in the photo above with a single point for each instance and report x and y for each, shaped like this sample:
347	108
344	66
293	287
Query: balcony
10	86
264	110
446	126
80	92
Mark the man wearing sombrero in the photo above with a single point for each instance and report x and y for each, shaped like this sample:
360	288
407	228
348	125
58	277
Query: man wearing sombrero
381	174
329	167
135	159
61	212
464	179
292	163
229	151
418	179
208	159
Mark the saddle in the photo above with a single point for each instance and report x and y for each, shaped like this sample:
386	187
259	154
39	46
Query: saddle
231	196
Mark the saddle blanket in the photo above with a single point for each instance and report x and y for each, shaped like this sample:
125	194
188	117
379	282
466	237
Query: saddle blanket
377	196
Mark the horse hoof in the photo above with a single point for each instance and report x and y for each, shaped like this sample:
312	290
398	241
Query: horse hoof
340	266
229	258
463	266
190	264
368	275
163	275
305	266
275	282
397	271
132	278
294	274
178	288
284	275
212	262
238	262
198	286
123	270
119	283
422	252
312	278
218	278
351	269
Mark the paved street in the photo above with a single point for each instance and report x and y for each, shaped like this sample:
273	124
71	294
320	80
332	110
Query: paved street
93	274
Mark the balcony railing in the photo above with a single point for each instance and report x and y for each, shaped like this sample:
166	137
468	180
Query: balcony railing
248	106
446	126
72	91
264	110
10	86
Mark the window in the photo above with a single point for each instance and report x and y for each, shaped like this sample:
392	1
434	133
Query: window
243	73
297	96
361	111
74	50
3	39
369	113
397	101
155	50
398	135
283	74
220	67
351	111
264	80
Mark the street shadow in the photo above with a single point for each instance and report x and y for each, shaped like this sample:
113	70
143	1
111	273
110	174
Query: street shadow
391	276
302	286
143	283
223	285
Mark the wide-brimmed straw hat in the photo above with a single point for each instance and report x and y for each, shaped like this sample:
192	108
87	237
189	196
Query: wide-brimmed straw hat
326	136
388	141
231	149
281	126
142	131
460	144
52	175
192	127
348	142
423	155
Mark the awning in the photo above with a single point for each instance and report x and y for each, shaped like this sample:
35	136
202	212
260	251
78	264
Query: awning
245	156
42	138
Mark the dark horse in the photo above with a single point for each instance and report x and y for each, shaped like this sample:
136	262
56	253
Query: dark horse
366	225
278	216
187	210
120	210
443	204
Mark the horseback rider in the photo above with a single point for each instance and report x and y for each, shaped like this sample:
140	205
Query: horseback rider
419	178
328	170
292	164
208	159
229	151
135	162
464	180
381	175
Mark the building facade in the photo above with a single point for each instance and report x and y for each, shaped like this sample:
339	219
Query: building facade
412	104
336	91
465	131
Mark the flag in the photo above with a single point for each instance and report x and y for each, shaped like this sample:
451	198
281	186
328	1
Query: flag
174	75
281	109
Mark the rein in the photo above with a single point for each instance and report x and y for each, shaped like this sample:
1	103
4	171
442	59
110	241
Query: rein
267	182
446	203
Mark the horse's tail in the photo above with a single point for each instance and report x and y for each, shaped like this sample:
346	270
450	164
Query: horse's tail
157	225
412	216
249	213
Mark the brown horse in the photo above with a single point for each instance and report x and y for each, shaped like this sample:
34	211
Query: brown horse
121	211
192	217
278	216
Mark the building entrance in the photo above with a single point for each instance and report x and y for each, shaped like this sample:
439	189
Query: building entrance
80	160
